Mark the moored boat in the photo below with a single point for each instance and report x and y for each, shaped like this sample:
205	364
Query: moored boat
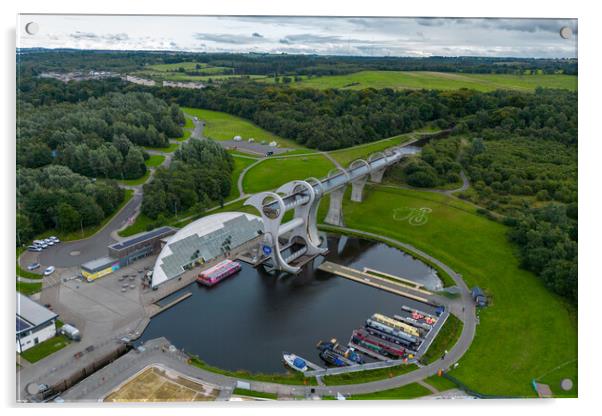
295	362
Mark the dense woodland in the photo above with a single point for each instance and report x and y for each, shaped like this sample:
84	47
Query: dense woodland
519	150
64	146
53	197
40	60
99	137
435	166
198	177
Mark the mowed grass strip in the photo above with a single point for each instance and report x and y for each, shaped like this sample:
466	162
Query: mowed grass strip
253	393
446	338
367	376
224	126
439	81
271	173
409	391
525	332
240	163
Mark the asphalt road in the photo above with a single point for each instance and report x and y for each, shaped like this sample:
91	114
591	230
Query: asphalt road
65	254
74	253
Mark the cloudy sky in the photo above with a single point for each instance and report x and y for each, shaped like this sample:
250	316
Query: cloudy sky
308	35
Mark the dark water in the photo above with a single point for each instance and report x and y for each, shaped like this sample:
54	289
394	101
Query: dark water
248	320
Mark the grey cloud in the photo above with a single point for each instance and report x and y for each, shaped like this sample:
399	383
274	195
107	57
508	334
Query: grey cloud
109	38
309	38
228	38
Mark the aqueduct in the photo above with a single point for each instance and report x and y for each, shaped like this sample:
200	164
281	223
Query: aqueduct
303	196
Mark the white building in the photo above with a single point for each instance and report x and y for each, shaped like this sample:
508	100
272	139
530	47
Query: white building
35	323
237	138
204	240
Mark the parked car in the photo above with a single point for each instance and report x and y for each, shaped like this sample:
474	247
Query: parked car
33	266
49	270
34	248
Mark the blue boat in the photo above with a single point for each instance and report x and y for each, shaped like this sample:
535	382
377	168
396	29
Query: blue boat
294	362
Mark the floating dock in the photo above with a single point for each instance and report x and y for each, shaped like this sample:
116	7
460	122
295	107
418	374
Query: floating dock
174	302
374	281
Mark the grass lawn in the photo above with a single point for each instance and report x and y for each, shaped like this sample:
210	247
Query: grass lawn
271	173
368	375
141	224
188	123
24	272
446	338
44	349
525	332
440	383
294	378
186	133
363	151
240	163
137	181
169	149
224	126
438	81
154	161
28	288
88	231
409	391
253	393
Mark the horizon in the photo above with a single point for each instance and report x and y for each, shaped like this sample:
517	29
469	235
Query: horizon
406	37
166	51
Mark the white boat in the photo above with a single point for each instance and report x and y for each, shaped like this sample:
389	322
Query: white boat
294	362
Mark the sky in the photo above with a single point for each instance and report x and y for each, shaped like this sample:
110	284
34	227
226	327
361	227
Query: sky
362	36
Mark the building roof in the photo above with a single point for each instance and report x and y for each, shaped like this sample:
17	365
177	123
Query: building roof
142	237
96	263
31	314
205	238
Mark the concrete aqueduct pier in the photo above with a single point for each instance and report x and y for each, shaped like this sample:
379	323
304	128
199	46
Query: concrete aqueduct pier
303	196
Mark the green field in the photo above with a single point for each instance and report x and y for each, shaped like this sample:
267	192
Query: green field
224	126
271	173
438	81
154	160
363	151
44	349
409	391
240	163
446	338
526	332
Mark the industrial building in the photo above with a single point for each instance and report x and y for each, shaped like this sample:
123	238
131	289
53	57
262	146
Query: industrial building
204	240
96	268
35	323
126	252
143	245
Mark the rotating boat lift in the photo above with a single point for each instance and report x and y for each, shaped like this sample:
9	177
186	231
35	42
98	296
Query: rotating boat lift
303	196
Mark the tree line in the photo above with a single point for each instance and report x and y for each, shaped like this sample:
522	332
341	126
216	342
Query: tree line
54	197
198	177
98	137
40	60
